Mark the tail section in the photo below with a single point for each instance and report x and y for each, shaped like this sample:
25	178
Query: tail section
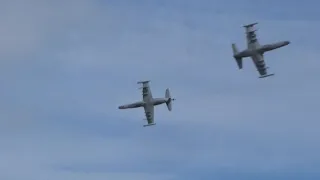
169	101
238	59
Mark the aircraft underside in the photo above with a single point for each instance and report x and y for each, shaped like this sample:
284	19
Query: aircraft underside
148	102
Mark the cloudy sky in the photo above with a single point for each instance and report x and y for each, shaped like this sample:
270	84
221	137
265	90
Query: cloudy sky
66	65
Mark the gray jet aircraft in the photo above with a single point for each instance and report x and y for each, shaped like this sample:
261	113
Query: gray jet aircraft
255	50
148	102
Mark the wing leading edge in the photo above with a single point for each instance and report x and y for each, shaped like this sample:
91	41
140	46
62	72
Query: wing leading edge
261	66
147	97
149	113
146	91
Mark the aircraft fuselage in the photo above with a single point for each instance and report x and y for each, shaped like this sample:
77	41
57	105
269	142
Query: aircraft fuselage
152	102
254	50
270	47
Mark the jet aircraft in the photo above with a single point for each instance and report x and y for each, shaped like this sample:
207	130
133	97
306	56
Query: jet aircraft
255	50
148	102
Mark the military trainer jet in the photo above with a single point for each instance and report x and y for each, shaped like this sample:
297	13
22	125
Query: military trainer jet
148	102
255	50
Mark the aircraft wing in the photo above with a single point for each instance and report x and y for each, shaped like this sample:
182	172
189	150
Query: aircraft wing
251	36
262	70
146	91
261	66
149	113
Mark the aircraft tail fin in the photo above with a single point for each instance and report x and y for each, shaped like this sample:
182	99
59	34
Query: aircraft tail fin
238	59
169	101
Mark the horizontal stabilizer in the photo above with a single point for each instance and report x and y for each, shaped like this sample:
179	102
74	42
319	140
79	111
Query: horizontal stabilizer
239	62
169	101
238	59
149	125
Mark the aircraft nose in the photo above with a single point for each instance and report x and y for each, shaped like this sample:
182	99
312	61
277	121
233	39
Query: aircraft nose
287	42
120	107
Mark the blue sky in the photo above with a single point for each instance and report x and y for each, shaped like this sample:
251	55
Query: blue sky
67	65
